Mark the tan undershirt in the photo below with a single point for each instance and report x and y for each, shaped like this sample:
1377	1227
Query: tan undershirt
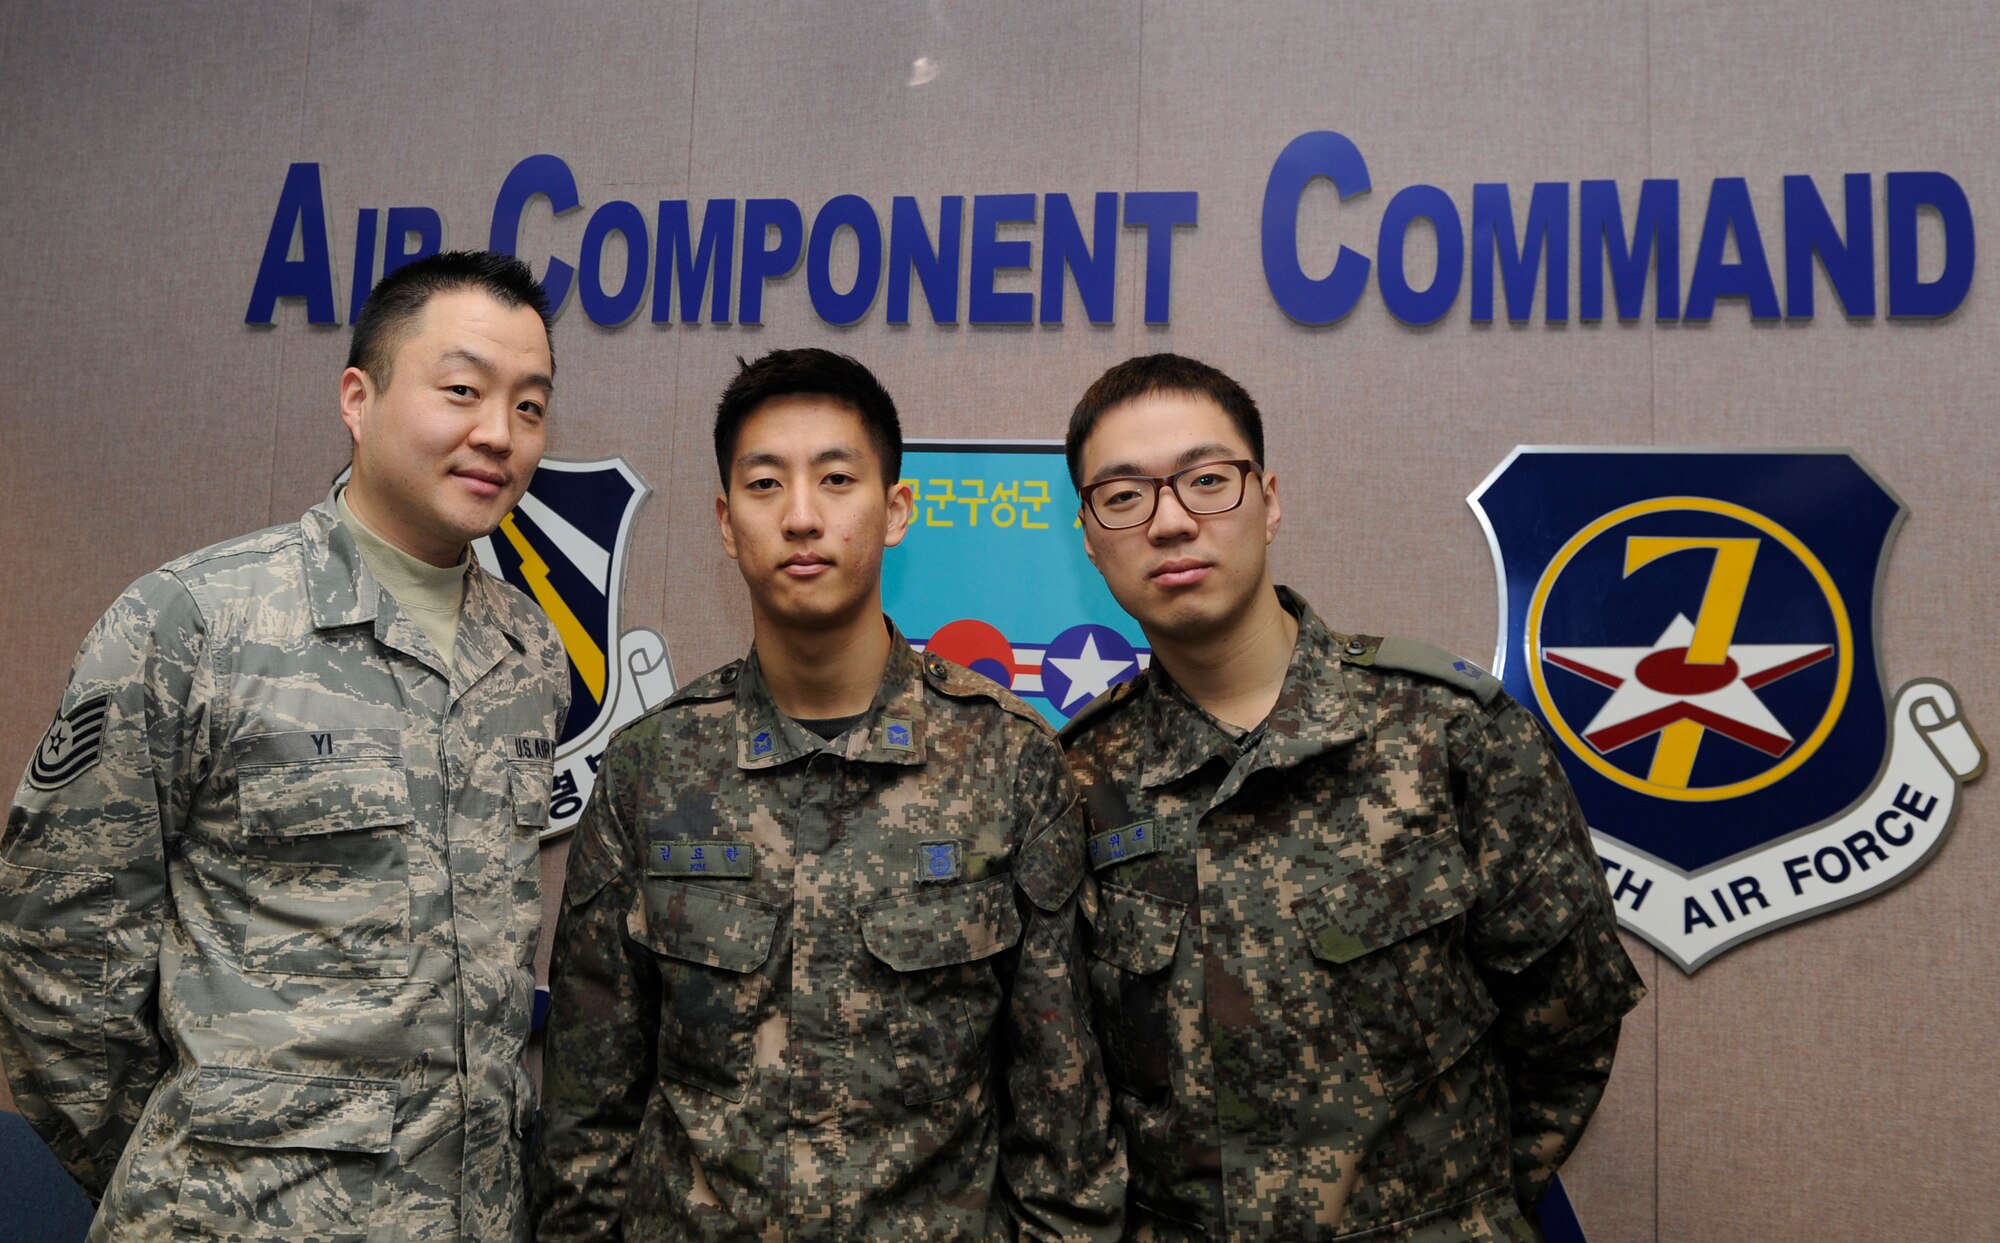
430	594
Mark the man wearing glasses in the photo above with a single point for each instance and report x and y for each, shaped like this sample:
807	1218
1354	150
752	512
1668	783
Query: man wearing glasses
1351	954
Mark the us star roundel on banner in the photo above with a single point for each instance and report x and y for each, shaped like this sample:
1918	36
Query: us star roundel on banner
1698	632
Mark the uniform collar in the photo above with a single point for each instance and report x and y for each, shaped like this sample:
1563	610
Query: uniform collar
344	593
892	732
1313	714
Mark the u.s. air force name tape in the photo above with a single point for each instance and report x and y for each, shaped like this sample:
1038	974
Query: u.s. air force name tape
1889	831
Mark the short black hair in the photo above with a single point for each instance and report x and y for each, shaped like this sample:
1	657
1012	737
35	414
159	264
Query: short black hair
809	373
1160	373
390	314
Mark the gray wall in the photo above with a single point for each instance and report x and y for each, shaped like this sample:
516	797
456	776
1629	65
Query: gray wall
1830	1081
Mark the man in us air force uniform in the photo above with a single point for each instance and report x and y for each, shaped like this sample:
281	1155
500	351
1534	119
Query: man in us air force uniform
268	892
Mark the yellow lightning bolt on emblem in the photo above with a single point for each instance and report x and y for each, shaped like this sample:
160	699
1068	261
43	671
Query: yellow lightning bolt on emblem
584	654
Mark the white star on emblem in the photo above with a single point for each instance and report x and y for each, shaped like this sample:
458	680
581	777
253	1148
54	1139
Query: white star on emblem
1656	687
1089	674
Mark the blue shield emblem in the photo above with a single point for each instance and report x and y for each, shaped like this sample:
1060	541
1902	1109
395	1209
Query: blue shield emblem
564	546
1697	631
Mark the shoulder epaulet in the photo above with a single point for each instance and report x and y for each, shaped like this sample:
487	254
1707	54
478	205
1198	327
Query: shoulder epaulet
719	683
1098	707
957	681
1416	656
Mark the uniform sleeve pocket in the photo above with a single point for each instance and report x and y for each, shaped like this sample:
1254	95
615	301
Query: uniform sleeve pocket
1391	936
528	787
282	1156
712	995
52	963
939	927
1135	931
944	997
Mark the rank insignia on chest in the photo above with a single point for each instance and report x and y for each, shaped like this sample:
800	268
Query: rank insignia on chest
699	858
940	861
1121	844
896	734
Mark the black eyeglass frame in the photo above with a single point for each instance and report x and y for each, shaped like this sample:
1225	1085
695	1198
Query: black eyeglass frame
1173	482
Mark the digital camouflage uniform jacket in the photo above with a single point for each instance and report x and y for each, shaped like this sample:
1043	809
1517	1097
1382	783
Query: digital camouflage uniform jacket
810	990
1358	977
269	903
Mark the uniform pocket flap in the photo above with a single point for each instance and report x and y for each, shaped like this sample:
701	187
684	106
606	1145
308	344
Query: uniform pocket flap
941	926
1377	904
322	796
528	785
728	930
1134	930
270	1109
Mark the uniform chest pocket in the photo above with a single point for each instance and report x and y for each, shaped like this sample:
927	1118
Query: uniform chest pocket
1391	940
1133	938
944	998
324	857
713	997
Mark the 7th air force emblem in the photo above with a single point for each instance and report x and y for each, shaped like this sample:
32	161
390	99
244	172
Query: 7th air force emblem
1698	632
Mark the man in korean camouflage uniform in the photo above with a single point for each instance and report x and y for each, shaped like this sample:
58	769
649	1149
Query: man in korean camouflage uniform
815	975
1351	953
269	890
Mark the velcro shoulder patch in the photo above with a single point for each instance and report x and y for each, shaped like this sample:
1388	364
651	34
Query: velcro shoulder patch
717	683
1424	660
1099	707
961	683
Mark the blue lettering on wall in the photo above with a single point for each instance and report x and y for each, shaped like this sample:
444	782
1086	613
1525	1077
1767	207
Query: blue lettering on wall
364	262
409	234
538	176
1427	305
1655	239
1327	300
763	262
1730	213
851	212
1547	231
991	255
1094	264
994	279
911	253
613	307
1158	213
302	214
1909	194
1849	263
695	264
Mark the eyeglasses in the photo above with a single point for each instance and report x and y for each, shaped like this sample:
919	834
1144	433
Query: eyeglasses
1125	501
